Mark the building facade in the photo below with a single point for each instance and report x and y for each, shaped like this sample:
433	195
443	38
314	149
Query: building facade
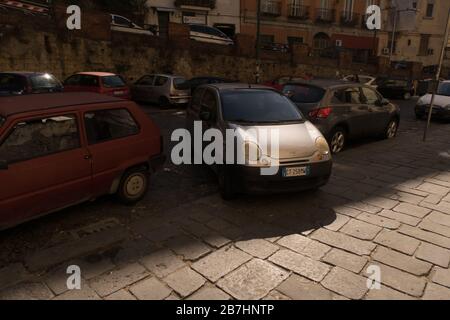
419	27
320	24
223	14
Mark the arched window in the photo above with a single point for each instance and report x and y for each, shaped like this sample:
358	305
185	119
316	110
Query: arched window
321	41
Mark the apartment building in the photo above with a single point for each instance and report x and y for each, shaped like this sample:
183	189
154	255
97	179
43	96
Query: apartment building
223	14
319	24
419	29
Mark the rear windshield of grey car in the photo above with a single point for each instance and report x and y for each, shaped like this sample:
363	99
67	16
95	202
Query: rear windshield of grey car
304	93
258	106
113	82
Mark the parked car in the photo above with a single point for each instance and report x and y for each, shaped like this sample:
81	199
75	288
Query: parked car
343	110
61	149
193	83
19	83
364	79
164	89
122	24
99	82
279	82
304	158
395	88
441	105
203	33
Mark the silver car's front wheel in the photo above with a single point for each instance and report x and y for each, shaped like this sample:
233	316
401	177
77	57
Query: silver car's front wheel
337	143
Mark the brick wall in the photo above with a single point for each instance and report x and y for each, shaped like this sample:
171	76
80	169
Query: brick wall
44	44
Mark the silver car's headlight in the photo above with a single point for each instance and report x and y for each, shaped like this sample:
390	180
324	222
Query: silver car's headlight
323	150
253	153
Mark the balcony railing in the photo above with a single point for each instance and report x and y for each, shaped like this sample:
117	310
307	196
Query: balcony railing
325	15
297	11
349	19
271	7
211	4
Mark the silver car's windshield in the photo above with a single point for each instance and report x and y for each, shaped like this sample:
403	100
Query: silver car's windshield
444	89
258	106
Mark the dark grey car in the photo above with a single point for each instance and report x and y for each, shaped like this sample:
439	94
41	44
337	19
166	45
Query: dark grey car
344	111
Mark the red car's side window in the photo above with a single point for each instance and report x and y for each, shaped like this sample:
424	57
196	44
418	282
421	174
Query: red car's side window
35	138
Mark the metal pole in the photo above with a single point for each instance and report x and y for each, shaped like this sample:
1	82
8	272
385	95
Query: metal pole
258	41
438	75
394	30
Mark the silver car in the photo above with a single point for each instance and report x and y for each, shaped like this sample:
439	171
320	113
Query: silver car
166	90
303	160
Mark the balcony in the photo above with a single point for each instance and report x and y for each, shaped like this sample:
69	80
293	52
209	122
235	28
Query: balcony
271	8
204	4
297	11
325	16
349	19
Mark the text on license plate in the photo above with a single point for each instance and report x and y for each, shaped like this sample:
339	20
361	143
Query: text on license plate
119	93
296	172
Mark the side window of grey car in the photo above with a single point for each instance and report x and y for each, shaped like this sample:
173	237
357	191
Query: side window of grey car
347	96
160	81
146	81
370	96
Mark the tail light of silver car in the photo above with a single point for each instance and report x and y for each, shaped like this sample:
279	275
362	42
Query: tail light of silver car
321	113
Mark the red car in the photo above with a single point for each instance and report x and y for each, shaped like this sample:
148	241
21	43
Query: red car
99	82
60	149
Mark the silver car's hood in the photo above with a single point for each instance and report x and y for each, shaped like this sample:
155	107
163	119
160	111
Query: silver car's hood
296	141
441	101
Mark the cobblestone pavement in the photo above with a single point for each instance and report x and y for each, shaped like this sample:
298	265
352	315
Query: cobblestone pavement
387	205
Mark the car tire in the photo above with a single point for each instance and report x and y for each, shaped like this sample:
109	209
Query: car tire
133	186
338	140
226	184
407	96
164	102
391	129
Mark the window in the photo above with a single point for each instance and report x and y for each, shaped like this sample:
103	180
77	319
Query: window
371	97
105	125
11	83
40	137
113	82
89	81
179	83
258	106
350	95
197	98
304	93
73	80
160	81
424	44
209	102
146	81
430	9
122	21
45	82
295	40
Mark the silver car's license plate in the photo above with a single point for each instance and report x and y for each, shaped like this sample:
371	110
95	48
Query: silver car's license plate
296	172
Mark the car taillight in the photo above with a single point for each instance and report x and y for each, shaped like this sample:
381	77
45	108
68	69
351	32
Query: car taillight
322	113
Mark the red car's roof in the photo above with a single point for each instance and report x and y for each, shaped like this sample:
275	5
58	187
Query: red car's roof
35	102
98	74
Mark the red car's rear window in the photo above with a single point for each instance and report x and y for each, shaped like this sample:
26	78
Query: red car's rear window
113	82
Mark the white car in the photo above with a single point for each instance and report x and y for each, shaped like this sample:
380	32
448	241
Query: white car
441	105
367	80
208	34
122	24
